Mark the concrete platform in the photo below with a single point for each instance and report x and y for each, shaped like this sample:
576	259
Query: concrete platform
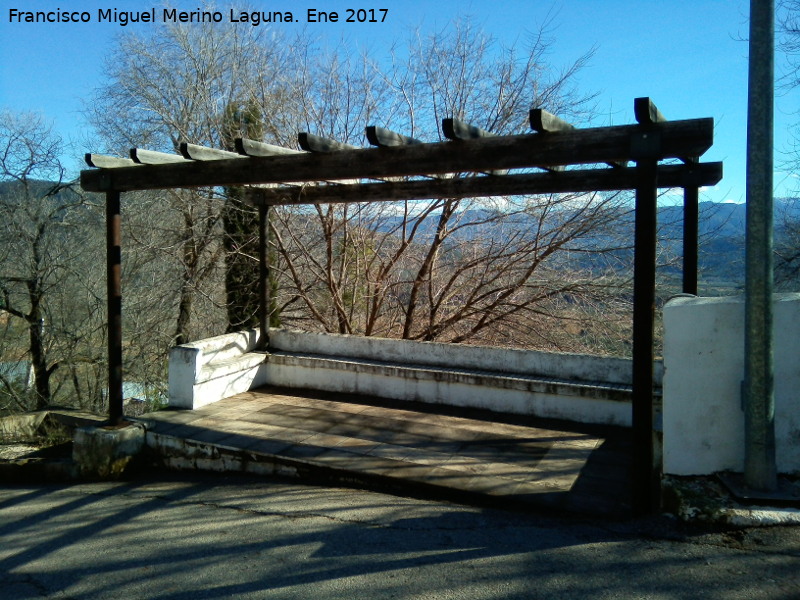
466	456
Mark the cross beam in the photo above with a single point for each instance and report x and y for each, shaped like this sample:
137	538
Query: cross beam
587	180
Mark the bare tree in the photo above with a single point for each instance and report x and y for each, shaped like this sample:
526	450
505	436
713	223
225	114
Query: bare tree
45	255
449	269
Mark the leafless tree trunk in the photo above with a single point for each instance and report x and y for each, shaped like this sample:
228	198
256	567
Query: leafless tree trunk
43	253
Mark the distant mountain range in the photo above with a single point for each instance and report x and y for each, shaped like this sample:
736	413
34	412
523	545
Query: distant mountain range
721	229
721	232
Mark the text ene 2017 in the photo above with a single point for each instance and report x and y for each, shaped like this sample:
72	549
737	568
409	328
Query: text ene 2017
360	15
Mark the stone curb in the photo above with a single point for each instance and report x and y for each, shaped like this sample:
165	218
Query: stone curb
763	517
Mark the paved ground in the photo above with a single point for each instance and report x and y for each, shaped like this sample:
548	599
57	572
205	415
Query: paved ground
193	536
406	446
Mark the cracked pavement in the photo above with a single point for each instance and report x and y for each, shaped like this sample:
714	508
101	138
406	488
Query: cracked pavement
200	536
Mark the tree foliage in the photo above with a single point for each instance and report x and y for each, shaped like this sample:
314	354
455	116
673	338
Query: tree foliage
787	245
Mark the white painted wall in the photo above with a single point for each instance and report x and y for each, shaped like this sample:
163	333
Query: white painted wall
561	365
704	368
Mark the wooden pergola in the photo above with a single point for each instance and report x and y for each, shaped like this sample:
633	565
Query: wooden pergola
473	163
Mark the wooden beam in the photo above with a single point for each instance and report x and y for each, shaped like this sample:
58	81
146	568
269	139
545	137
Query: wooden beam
114	306
691	218
151	157
107	162
455	129
386	138
580	146
646	472
195	152
263	276
261	149
315	143
470	187
545	122
647	112
254	148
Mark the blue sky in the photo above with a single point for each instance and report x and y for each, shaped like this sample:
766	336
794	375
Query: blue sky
685	54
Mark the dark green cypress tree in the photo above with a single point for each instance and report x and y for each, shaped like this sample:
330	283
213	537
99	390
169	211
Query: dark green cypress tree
240	221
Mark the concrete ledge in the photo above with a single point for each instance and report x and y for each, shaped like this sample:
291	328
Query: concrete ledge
453	375
583	402
561	365
21	426
182	454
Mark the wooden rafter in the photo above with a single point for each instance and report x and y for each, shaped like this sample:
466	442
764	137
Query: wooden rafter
151	157
101	161
545	122
195	152
646	112
315	143
455	129
253	148
386	138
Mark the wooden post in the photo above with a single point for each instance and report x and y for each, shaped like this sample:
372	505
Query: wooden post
646	476
114	297
690	238
263	275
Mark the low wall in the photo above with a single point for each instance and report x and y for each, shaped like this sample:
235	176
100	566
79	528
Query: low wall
567	386
704	369
562	365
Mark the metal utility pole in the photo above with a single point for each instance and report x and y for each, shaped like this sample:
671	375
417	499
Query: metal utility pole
759	401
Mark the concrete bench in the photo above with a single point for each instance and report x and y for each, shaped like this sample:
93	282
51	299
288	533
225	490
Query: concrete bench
209	370
575	387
